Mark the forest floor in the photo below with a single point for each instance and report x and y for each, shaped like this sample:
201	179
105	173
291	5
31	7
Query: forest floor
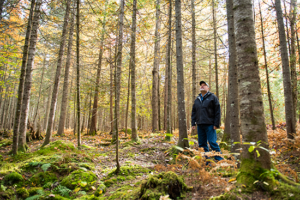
60	171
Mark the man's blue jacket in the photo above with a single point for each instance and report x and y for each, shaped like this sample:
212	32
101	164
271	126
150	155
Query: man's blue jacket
206	111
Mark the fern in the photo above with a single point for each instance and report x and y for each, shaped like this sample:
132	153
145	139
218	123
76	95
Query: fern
46	166
62	190
33	197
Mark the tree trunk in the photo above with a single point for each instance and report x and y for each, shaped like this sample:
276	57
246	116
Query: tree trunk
287	28
134	135
28	79
48	108
111	91
298	46
78	73
215	48
65	98
288	98
266	68
57	76
118	83
40	90
158	102
233	80
182	142
194	84
252	112
155	70
293	13
169	72
127	102
95	105
21	82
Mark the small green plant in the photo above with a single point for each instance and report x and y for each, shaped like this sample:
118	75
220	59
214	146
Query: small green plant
62	190
46	166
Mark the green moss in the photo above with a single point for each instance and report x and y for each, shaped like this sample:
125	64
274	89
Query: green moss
284	191
14	178
7	194
22	192
134	170
163	184
87	197
53	146
83	146
128	131
42	178
125	192
34	190
5	142
100	190
79	178
89	166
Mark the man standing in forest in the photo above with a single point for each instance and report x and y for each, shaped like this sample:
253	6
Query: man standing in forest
206	114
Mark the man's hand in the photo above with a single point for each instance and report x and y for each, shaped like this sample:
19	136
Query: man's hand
215	127
193	127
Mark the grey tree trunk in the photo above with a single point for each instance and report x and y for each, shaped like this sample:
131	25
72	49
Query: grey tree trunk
93	129
48	107
78	72
155	69
134	135
266	68
169	72
28	78
298	46
232	81
65	98
288	98
127	102
40	90
293	58
57	76
182	142
287	28
194	44
251	104
111	92
21	82
118	83
215	48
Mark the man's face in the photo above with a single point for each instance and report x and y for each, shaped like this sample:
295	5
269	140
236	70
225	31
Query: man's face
203	87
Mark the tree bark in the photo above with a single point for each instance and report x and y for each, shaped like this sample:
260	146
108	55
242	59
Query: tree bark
298	46
293	58
28	78
65	98
111	92
169	88
155	70
57	76
118	83
95	105
266	68
215	48
232	81
288	98
287	28
21	82
251	104
134	135
78	72
182	142
40	90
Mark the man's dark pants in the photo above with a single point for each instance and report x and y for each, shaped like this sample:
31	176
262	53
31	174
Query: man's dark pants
208	133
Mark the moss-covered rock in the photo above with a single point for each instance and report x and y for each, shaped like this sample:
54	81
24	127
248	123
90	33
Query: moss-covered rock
166	183
79	178
134	170
110	182
54	146
42	178
14	178
7	194
100	190
34	190
22	192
